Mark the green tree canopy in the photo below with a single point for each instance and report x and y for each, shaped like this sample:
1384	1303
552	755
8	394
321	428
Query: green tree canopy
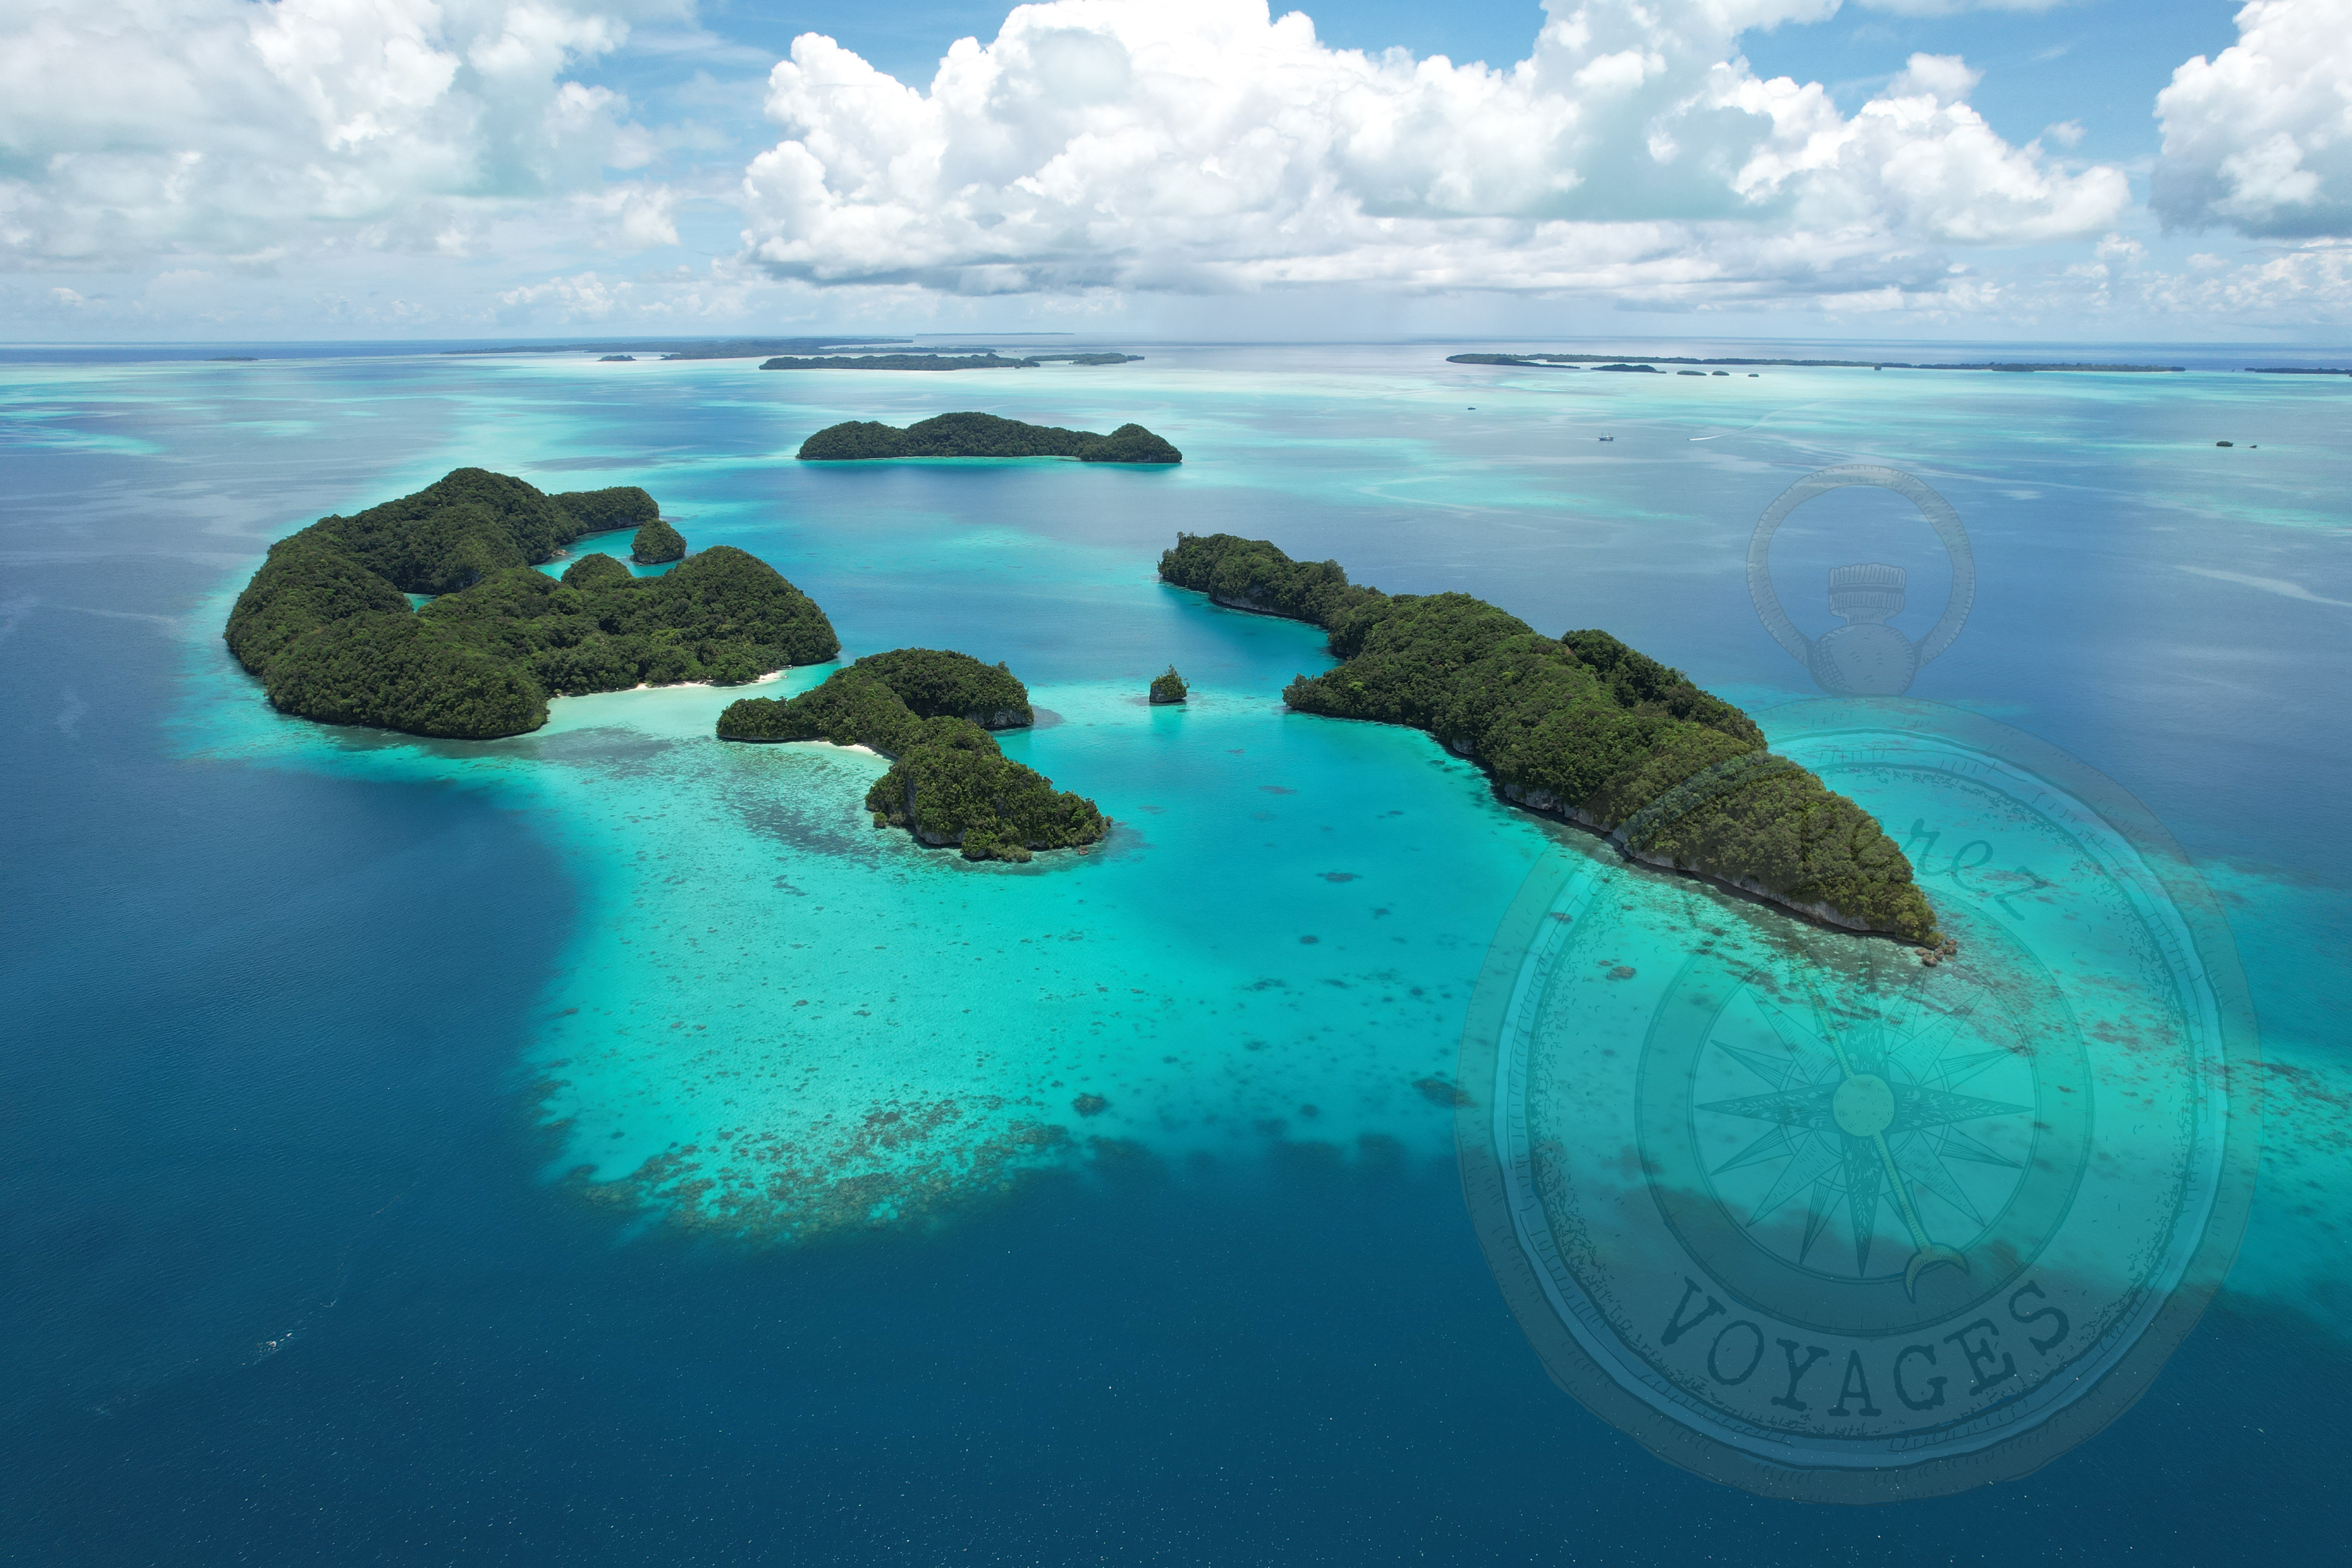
331	633
949	783
656	542
1582	725
972	435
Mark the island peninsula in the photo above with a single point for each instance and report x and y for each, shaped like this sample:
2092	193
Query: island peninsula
983	436
1580	726
327	626
930	711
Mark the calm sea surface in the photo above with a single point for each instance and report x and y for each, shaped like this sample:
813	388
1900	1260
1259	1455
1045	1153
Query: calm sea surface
603	1146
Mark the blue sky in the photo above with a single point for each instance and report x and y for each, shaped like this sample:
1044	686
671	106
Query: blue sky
219	169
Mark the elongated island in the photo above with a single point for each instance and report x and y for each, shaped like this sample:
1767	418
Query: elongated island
1579	726
327	626
930	712
982	435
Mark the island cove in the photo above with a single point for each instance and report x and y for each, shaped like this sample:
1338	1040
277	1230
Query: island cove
970	434
327	626
1581	727
930	712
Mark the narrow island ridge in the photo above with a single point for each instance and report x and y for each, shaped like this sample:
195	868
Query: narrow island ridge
1581	727
930	711
970	434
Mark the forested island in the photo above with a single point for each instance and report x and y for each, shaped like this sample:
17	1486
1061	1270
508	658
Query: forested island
983	436
1581	726
929	711
656	542
327	626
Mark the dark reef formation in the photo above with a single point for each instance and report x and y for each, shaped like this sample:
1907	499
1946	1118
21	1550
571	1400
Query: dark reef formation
1168	688
930	711
1581	726
656	542
983	436
326	623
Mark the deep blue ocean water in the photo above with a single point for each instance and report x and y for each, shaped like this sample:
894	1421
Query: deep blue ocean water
340	1067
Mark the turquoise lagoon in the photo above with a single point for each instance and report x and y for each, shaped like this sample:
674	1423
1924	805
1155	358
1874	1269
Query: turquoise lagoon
772	1020
604	1144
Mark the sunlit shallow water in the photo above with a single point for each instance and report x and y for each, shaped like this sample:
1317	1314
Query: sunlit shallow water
731	1009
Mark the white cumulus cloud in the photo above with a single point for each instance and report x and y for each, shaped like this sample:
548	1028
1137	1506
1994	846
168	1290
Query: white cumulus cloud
1133	144
133	129
2259	137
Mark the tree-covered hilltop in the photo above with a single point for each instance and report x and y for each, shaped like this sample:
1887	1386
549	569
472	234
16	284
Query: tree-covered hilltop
656	542
983	436
330	631
1580	725
949	783
603	511
472	522
873	701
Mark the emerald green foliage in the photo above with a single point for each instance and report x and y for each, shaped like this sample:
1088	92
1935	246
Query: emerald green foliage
966	792
1580	724
1251	574
949	783
1129	444
398	672
591	570
602	511
1168	688
305	583
853	706
877	700
329	630
656	542
937	681
455	530
983	436
856	440
1635	680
